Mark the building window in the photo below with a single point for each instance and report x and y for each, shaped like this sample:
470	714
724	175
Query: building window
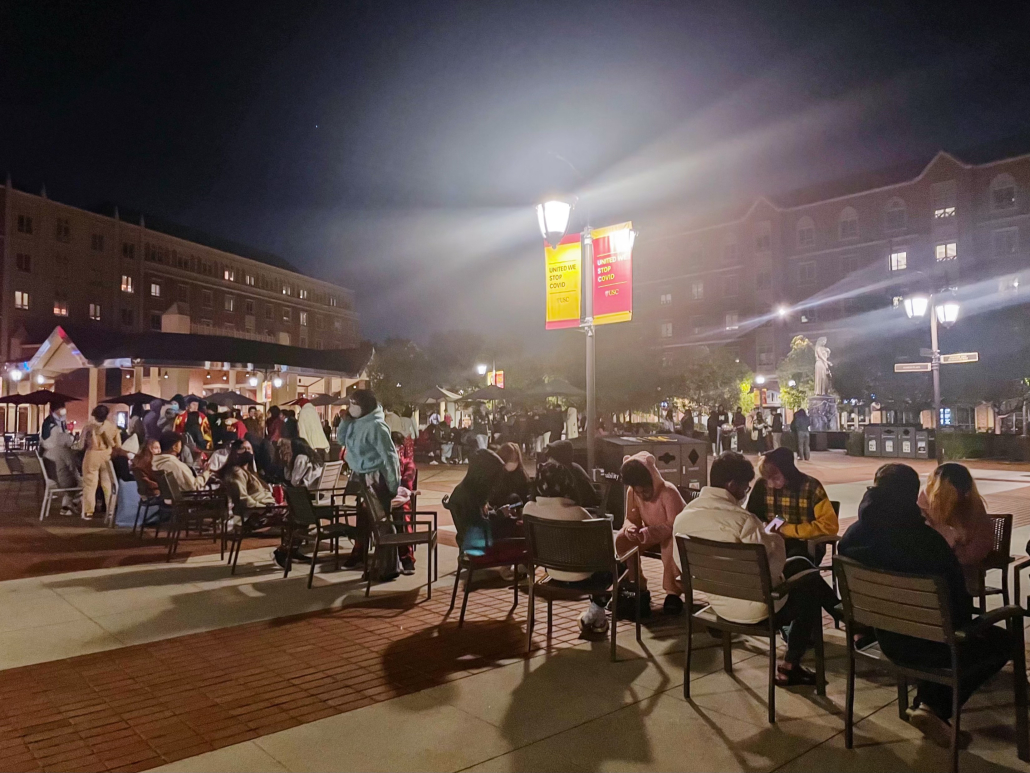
303	318
286	314
207	299
1005	242
730	286
21	299
763	242
155	320
155	290
337	325
805	232
697	290
126	316
806	272
732	320
948	251
944	213
230	275
898	261
763	281
60	306
248	306
847	224
897	300
666	299
206	323
249	279
24	224
284	339
765	355
230	303
94	311
809	315
303	295
126	283
666	330
269	312
287	290
697	325
23	262
62	230
1009	284
731	252
128	250
1003	193
320	322
895	217
96	242
332	300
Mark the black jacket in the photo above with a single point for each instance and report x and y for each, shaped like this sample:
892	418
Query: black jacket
893	535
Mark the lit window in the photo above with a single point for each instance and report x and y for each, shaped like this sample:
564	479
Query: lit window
897	300
847	224
809	315
666	330
896	216
286	314
21	299
303	318
732	320
944	213
126	283
230	275
155	290
94	311
332	300
23	262
303	295
230	303
806	272
1009	284
338	324
60	307
1003	192
947	251
1005	242
898	261
697	290
666	299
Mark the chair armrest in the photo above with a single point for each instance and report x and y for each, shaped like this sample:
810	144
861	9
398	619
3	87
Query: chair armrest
628	554
789	584
825	539
983	622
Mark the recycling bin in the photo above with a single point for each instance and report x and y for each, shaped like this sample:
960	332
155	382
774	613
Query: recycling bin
889	441
924	444
907	442
873	441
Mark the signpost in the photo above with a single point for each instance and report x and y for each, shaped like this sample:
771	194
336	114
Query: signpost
912	367
954	359
934	366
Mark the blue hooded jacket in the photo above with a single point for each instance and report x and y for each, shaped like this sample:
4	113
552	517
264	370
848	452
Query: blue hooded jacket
370	447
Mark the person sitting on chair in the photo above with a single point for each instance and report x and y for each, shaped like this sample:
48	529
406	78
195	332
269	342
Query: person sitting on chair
481	529
168	462
717	515
953	506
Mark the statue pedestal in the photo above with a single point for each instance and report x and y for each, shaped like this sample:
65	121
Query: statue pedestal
822	412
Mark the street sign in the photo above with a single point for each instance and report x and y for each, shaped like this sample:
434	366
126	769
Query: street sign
911	367
924	352
952	359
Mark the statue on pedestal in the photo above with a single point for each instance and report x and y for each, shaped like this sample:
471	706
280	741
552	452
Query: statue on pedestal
822	366
822	406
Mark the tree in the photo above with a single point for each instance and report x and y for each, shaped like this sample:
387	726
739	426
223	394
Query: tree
712	377
797	367
399	373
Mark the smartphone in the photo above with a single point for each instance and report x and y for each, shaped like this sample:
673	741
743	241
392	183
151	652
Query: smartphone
774	524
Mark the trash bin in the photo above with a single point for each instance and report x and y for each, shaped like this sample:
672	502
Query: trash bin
923	443
889	441
907	442
873	445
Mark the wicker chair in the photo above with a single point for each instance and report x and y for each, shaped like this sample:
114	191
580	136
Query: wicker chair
738	571
305	522
573	546
920	606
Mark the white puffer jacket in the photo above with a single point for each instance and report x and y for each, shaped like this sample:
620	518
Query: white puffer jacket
715	515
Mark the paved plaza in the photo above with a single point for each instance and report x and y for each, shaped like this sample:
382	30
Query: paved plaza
114	660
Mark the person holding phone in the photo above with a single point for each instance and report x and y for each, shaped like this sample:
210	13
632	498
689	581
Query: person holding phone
717	514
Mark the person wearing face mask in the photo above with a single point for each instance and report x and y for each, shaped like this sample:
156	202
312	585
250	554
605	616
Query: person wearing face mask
717	515
56	442
239	477
168	462
514	486
369	452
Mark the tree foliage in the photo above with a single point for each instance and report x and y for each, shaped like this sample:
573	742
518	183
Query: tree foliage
797	367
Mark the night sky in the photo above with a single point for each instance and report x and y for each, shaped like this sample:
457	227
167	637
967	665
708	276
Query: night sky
398	147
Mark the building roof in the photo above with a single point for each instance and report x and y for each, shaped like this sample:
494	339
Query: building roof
107	348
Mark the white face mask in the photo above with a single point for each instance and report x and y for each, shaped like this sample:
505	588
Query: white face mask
62	413
511	466
355	411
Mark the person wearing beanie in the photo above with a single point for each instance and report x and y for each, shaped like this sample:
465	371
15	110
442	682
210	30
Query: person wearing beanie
783	491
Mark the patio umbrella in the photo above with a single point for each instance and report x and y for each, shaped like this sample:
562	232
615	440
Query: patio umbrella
436	394
39	397
321	400
136	398
492	392
230	399
558	387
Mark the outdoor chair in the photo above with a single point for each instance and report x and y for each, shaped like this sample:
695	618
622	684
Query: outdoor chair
247	522
920	606
999	558
305	522
513	554
415	513
738	571
383	534
146	502
192	507
325	492
573	546
51	488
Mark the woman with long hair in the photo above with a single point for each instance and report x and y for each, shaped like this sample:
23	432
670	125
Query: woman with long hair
239	478
144	462
300	467
953	506
514	486
100	438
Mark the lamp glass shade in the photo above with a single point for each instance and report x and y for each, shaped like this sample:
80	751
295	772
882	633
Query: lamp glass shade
553	219
947	312
915	305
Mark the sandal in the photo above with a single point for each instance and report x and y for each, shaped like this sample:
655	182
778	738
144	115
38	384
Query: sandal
792	677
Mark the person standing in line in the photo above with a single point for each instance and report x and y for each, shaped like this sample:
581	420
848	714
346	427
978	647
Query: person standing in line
802	426
713	425
739	422
777	429
687	423
254	423
100	438
480	427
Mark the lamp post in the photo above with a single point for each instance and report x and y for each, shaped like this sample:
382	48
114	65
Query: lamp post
946	314
553	217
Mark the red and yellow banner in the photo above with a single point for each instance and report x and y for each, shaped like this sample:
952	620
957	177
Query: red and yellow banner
613	274
563	283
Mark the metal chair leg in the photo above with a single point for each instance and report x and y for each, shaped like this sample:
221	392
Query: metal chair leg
465	599
689	648
727	652
772	673
314	558
454	592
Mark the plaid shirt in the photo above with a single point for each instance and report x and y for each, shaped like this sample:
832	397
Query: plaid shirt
795	506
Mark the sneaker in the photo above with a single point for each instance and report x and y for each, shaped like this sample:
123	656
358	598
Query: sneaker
434	462
279	558
507	573
593	620
673	605
935	729
407	566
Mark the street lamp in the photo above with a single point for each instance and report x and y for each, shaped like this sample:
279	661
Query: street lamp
553	217
945	313
759	380
482	369
782	311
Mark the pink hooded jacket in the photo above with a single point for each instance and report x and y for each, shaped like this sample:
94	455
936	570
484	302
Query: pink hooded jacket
654	519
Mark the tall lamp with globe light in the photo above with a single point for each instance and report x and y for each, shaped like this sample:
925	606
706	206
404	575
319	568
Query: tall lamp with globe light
944	313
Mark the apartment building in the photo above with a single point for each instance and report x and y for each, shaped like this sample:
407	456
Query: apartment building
811	261
65	264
